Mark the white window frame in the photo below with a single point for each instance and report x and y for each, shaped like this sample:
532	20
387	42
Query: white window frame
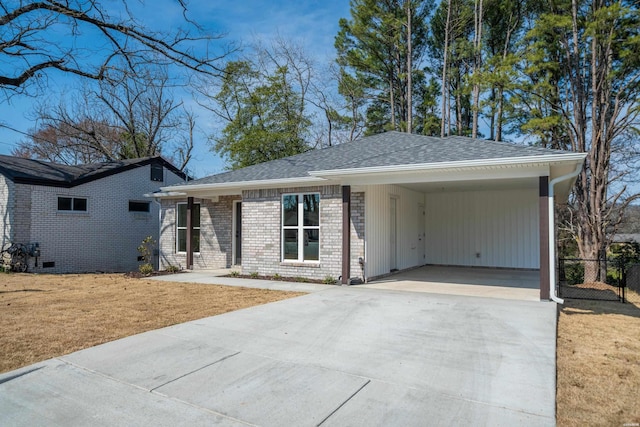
300	228
178	251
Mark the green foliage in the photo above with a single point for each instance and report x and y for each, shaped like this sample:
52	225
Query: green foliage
372	51
235	273
172	268
301	279
277	276
146	269
254	275
329	280
146	252
266	117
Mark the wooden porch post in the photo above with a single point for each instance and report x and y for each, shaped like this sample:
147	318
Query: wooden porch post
544	239
189	233
346	233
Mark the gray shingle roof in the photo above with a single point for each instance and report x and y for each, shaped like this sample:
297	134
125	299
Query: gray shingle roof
386	149
30	171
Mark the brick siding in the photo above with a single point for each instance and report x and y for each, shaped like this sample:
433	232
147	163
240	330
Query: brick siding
105	238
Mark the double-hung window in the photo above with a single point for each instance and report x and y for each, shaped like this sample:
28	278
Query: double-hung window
301	227
181	228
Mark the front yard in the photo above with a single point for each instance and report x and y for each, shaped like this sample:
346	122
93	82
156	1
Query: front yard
44	316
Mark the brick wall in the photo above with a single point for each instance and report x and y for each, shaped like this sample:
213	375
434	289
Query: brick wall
216	220
357	233
105	238
261	231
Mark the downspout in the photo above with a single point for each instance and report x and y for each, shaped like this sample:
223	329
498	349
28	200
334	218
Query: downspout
552	233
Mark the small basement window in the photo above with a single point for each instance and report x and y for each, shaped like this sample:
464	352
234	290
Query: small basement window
78	204
157	172
135	206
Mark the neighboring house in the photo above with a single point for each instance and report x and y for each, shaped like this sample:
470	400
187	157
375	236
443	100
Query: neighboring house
383	203
81	218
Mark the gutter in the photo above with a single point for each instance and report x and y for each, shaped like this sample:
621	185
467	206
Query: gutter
548	159
552	233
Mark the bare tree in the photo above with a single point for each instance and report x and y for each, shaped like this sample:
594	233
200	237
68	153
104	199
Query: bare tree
445	93
129	117
41	36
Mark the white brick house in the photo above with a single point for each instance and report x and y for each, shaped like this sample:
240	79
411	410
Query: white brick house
384	203
81	218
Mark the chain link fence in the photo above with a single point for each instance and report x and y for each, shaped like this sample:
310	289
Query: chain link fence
595	279
632	282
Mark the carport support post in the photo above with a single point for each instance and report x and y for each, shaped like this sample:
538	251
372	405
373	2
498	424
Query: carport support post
346	233
544	238
189	233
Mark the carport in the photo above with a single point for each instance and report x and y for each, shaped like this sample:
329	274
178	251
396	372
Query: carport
470	281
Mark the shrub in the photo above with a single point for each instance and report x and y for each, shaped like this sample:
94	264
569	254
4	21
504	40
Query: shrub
329	280
254	275
173	268
235	273
146	269
301	279
277	276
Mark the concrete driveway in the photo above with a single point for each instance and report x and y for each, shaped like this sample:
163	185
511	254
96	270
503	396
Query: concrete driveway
341	356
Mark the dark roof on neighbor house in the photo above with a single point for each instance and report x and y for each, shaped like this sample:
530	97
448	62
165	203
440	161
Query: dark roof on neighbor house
626	238
385	149
39	172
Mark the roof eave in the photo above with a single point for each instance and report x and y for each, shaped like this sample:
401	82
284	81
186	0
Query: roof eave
548	160
237	187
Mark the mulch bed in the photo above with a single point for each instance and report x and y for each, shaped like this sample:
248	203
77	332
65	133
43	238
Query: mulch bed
278	278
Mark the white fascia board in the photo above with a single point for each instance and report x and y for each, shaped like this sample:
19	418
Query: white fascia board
165	195
545	160
238	186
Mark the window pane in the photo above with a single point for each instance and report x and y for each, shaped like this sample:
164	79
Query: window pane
311	209
79	204
64	203
195	216
182	215
311	245
156	172
182	240
290	244
138	206
290	210
195	241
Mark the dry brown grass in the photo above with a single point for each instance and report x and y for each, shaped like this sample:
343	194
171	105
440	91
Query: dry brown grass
598	359
44	316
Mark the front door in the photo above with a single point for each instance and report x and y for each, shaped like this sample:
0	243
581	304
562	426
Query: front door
237	239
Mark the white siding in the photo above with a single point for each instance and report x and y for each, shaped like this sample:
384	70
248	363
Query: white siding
7	200
378	230
485	228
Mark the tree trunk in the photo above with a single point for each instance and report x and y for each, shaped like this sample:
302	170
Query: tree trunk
444	70
409	70
477	63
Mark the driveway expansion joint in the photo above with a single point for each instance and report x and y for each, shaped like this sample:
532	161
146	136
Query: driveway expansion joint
344	403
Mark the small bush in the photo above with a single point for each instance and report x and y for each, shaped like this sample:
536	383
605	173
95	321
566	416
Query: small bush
301	279
173	268
235	273
254	275
329	280
277	277
146	269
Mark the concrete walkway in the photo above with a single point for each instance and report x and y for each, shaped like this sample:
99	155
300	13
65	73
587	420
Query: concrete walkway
340	356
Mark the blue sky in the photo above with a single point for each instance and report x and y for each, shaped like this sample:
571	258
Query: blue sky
312	24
